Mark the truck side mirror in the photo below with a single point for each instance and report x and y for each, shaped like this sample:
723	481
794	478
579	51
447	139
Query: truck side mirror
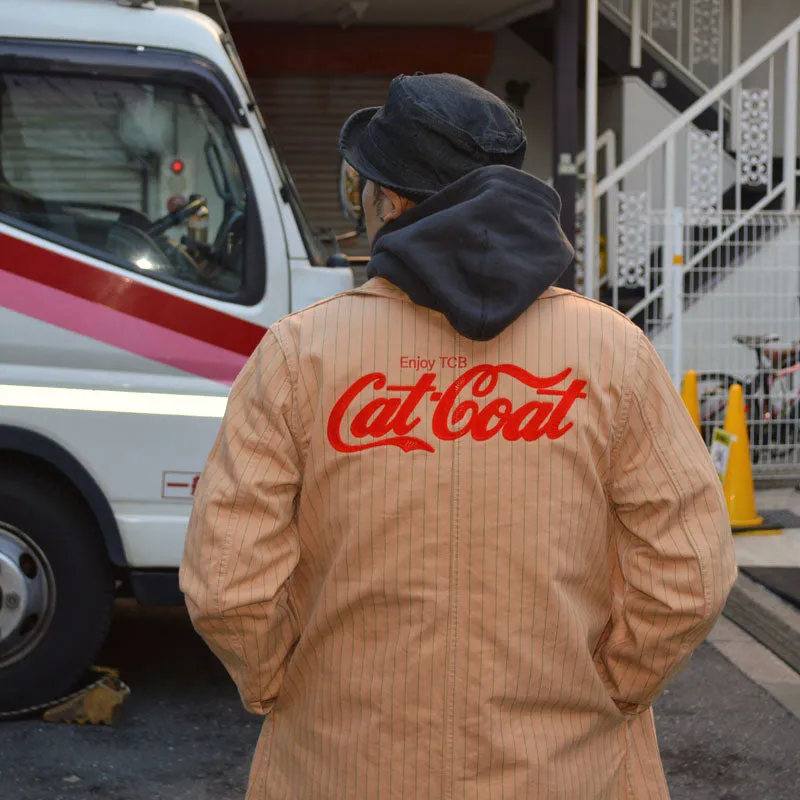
350	196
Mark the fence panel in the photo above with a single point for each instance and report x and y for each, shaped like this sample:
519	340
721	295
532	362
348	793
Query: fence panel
739	322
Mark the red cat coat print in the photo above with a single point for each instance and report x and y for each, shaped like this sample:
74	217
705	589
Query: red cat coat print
472	405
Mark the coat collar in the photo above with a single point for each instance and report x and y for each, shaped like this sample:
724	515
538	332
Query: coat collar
380	287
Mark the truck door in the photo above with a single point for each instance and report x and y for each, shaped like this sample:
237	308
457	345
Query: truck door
142	254
135	183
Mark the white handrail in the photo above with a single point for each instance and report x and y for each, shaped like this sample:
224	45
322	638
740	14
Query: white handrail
619	19
606	143
688	116
790	126
590	123
636	34
606	140
736	59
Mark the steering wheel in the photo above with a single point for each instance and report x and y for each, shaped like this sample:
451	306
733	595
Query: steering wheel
163	224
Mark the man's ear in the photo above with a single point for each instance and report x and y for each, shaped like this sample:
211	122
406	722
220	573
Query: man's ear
393	205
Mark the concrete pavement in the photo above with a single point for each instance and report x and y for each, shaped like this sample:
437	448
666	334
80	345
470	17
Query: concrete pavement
183	735
723	737
782	550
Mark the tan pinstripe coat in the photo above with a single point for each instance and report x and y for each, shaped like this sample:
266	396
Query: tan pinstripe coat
456	569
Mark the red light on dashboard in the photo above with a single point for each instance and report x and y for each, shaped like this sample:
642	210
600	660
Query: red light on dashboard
177	166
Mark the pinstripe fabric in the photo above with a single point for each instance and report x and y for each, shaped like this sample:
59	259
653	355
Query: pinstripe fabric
487	615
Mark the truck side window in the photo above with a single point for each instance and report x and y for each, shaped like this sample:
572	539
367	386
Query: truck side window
145	176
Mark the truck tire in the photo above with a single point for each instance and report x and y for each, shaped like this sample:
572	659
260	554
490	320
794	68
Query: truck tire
56	588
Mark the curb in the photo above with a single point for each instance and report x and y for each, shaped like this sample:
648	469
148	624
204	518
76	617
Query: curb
767	618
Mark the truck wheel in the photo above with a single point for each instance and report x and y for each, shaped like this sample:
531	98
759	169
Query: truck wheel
56	588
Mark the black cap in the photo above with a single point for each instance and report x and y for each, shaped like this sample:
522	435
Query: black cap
433	130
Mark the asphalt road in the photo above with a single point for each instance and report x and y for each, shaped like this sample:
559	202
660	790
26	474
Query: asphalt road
183	735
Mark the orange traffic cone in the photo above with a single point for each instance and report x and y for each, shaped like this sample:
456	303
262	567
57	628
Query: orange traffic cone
739	490
690	397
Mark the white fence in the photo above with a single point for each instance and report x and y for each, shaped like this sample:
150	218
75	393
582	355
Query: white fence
733	317
694	248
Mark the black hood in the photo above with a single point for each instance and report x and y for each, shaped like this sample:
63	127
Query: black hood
480	251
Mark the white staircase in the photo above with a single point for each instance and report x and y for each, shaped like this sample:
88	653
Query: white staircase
674	218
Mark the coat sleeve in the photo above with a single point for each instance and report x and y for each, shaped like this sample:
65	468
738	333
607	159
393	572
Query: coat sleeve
674	563
242	545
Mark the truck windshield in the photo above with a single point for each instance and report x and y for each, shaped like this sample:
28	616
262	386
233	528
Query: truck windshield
146	175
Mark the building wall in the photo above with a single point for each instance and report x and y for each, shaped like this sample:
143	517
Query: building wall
762	19
515	60
268	49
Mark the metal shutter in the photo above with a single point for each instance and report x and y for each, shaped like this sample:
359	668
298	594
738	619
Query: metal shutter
305	114
60	141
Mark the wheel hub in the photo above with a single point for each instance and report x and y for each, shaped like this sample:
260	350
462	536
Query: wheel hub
27	595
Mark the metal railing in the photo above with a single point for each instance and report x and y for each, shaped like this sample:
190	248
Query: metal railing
692	37
734	318
688	166
606	251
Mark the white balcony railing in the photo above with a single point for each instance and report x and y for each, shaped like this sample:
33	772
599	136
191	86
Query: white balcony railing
719	179
700	40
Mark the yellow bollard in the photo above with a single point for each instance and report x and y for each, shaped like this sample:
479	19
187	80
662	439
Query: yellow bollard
690	397
739	489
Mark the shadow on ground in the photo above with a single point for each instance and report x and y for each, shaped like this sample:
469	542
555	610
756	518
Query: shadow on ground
184	735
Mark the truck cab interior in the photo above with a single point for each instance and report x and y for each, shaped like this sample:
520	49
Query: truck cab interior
142	175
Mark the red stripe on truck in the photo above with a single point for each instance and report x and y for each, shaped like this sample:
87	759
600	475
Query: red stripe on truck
127	296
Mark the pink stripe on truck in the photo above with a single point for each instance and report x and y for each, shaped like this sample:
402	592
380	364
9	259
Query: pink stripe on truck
120	330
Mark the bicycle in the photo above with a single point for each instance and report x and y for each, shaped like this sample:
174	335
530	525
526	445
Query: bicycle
773	416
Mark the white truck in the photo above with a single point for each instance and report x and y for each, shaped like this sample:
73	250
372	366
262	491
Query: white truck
149	233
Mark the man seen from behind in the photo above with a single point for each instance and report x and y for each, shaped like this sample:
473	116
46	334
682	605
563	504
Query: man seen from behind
458	531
